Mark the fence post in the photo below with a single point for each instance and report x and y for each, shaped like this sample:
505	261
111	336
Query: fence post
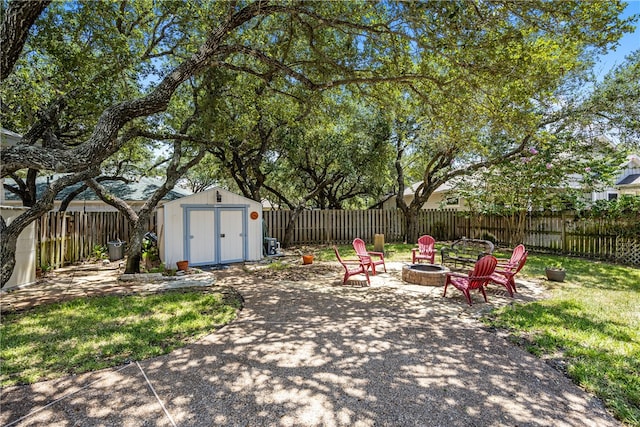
563	233
325	214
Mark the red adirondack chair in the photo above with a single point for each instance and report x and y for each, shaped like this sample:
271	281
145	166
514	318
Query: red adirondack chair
352	267
517	253
476	279
367	256
425	250
505	275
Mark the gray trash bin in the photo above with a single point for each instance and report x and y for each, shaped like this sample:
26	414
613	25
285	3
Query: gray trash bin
116	250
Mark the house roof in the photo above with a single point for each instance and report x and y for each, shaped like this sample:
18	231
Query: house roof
225	197
139	190
413	187
9	138
267	204
633	160
633	179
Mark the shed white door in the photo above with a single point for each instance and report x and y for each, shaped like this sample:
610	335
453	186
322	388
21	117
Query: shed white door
201	231
232	235
216	235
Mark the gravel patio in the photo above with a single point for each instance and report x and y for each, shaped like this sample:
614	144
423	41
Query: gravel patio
306	351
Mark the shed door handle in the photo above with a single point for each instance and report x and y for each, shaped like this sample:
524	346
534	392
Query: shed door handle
222	235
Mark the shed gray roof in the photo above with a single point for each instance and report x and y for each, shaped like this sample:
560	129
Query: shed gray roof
630	179
134	191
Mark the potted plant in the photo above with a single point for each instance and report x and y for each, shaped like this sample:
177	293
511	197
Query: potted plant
555	272
183	265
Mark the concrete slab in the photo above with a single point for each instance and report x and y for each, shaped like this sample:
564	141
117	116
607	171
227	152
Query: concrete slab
110	397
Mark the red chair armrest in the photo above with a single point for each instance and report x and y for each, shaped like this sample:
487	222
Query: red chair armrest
505	264
352	261
457	274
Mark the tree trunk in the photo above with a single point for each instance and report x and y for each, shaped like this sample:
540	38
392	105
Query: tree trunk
411	225
522	219
515	227
134	245
288	232
138	221
8	253
510	228
138	228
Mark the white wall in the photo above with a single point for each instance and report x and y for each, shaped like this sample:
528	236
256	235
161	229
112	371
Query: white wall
632	167
171	223
24	272
7	139
435	201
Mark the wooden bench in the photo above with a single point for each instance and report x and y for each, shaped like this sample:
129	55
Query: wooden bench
466	251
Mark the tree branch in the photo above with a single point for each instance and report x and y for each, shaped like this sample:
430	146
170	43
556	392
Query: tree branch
104	141
18	19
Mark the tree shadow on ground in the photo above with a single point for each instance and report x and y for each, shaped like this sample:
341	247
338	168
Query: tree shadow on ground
313	353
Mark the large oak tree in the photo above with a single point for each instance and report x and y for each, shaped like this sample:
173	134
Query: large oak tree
145	52
90	79
505	71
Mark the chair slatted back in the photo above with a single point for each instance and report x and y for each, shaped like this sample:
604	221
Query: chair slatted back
361	251
426	244
360	247
523	260
516	255
482	271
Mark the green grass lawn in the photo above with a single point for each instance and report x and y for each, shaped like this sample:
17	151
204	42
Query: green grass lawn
591	323
87	334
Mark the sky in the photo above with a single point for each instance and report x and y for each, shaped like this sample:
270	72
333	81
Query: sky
627	44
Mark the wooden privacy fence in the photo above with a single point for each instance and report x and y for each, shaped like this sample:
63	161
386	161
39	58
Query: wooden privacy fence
335	226
341	226
69	237
66	237
616	240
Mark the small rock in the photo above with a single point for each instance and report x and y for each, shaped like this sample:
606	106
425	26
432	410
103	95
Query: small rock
106	262
180	273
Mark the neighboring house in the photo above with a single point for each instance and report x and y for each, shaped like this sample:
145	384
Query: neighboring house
629	179
626	183
135	193
7	139
442	198
629	185
267	205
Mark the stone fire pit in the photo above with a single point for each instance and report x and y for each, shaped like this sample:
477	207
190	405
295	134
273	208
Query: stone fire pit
425	274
